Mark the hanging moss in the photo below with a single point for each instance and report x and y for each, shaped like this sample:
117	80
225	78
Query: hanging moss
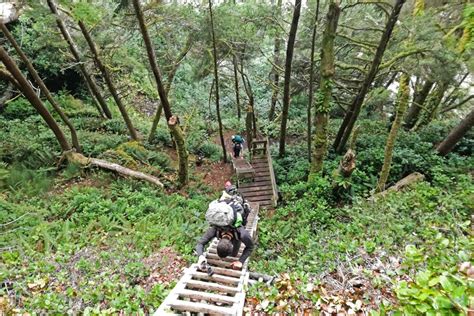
418	7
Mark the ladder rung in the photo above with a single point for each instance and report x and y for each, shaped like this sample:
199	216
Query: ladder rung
207	296
211	286
216	278
201	308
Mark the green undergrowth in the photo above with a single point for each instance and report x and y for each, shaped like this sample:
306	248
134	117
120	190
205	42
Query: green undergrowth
426	226
86	246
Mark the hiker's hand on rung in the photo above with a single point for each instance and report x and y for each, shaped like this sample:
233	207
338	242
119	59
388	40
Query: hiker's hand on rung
202	261
236	265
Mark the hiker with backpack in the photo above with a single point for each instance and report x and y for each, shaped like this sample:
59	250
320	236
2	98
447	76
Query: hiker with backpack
237	142
227	217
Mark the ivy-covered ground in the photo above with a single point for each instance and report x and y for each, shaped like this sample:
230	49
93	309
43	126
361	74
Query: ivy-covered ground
86	241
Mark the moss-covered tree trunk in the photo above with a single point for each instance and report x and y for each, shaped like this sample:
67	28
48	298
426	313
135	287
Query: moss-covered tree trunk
91	85
325	89
432	105
236	86
286	86
276	64
352	114
248	126
417	104
35	101
402	104
216	79
311	80
173	122
42	86
456	134
251	120
108	80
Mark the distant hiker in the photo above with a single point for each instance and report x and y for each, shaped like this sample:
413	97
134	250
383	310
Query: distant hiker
237	142
227	217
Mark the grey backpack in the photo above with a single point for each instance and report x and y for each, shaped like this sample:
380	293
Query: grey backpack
220	214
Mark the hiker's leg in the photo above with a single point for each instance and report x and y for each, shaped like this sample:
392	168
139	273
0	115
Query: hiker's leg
236	244
236	151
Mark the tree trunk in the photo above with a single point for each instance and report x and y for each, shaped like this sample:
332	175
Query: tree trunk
286	87
216	79
311	79
169	82
173	122
252	127
42	86
108	81
209	99
35	101
248	126
323	106
236	84
276	64
417	105
402	104
178	136
91	85
456	134
431	109
354	110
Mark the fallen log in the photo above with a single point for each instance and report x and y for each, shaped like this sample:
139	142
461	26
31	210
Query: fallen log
400	185
259	277
86	162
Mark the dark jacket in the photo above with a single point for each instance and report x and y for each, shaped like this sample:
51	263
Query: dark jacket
242	235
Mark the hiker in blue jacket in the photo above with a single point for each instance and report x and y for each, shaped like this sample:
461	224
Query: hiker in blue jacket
237	142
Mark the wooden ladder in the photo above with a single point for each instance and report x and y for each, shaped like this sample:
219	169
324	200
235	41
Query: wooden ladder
223	293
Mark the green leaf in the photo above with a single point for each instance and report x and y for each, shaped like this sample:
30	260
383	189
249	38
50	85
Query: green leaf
86	13
446	283
423	277
443	302
433	281
423	308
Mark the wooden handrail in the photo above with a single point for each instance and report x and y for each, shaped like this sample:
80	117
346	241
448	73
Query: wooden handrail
272	174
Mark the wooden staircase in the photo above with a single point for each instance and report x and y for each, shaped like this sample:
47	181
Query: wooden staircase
262	189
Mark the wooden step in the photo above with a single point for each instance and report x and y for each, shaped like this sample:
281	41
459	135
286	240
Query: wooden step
193	284
211	255
218	263
260	166
255	184
211	297
228	272
252	195
244	191
216	278
257	160
261	199
181	305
